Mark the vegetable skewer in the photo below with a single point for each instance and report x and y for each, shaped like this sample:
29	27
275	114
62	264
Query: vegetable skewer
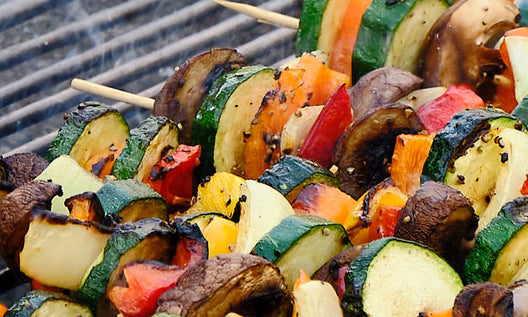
262	15
112	93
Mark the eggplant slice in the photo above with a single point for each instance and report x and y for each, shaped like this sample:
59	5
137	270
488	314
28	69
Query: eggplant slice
364	151
240	283
183	93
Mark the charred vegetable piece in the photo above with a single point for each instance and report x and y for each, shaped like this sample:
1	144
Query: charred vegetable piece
440	217
85	207
73	179
333	120
172	177
15	214
292	174
21	168
191	245
302	242
380	87
46	304
145	282
67	246
87	131
325	201
498	253
146	239
389	272
241	283
408	159
363	153
183	93
261	208
219	193
483	299
469	30
225	116
393	33
147	144
131	200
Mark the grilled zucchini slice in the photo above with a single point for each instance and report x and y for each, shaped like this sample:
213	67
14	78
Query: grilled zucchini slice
146	239
147	144
47	304
302	242
88	130
393	277
132	200
499	250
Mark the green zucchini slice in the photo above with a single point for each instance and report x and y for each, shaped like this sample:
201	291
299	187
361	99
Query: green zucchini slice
302	242
132	200
225	116
309	26
393	277
292	174
147	143
88	130
500	248
460	133
46	304
393	33
146	239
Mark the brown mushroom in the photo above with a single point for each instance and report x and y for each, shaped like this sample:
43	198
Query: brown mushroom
15	212
363	152
460	45
21	168
380	87
440	217
182	95
483	300
240	283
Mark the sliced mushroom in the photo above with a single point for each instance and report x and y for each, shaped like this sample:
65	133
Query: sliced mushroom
182	95
363	152
460	46
15	212
240	283
440	217
483	300
380	87
21	168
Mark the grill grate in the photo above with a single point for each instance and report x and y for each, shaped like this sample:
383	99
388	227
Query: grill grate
131	45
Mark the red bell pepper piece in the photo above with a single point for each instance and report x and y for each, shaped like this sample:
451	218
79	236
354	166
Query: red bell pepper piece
146	282
524	189
172	177
436	113
384	222
333	120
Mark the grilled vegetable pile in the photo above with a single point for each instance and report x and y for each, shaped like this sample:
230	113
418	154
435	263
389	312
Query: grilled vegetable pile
397	189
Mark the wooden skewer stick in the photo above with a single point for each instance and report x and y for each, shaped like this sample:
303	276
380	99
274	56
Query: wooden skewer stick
112	93
261	14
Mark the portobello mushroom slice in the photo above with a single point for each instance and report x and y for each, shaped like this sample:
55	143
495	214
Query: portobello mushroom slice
363	152
240	283
379	87
483	299
440	217
21	168
460	45
15	212
183	93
